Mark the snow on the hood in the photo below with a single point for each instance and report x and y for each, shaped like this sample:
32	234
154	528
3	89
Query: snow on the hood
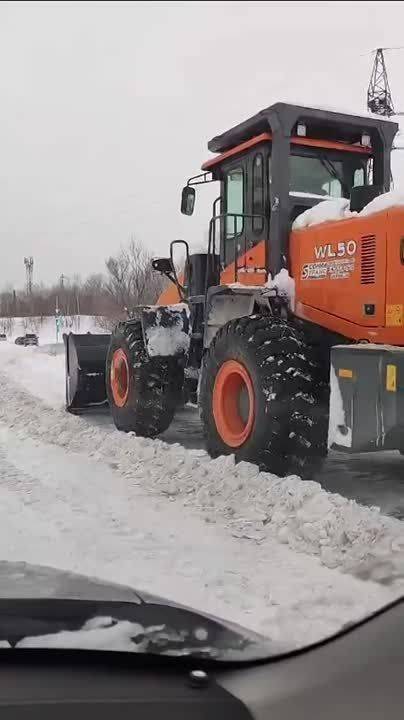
338	209
284	284
105	633
337	415
383	202
325	211
99	633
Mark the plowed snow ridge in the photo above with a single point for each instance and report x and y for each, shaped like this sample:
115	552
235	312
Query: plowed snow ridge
343	534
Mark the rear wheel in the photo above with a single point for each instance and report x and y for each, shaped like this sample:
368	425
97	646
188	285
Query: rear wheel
143	392
264	397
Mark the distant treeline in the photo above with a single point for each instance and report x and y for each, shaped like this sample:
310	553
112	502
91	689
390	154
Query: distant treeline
129	280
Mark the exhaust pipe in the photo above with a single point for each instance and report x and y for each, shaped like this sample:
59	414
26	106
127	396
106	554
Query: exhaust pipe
85	371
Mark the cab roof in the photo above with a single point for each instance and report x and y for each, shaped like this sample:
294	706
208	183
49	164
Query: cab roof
321	123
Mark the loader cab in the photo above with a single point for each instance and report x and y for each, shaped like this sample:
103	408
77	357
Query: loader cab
277	164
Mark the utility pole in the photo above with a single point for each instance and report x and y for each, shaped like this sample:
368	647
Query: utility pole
379	99
57	318
29	273
78	310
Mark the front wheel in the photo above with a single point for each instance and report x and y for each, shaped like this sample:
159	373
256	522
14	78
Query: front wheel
143	392
263	397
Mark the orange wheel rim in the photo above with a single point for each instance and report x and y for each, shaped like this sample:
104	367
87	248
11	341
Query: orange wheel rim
233	403
119	378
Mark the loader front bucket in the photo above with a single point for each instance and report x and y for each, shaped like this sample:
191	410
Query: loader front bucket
85	371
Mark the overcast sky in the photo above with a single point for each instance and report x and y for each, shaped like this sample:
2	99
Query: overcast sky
106	109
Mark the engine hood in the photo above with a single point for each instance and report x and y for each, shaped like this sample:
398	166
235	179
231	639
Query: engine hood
42	607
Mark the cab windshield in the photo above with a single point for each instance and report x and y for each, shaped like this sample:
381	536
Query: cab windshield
328	175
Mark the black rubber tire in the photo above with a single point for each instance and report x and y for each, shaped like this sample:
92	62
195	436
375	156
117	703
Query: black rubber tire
155	385
291	388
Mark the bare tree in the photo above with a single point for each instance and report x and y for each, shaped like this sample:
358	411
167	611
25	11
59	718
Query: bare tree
131	280
7	325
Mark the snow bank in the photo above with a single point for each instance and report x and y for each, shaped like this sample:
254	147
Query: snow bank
383	202
325	211
254	505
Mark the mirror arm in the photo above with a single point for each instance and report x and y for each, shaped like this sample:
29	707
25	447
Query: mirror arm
201	179
180	288
173	278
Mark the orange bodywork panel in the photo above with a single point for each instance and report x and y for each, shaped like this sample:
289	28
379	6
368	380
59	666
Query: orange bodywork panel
349	278
250	268
170	295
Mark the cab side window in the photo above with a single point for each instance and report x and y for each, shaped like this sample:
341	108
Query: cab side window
234	201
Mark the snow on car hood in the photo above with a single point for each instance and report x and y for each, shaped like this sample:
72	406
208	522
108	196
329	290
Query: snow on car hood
42	607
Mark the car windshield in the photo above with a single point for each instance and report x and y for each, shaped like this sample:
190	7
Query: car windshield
201	325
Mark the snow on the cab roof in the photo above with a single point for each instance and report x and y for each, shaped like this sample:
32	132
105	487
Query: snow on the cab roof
347	111
325	211
383	202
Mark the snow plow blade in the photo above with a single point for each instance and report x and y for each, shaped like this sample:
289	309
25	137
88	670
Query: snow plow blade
85	371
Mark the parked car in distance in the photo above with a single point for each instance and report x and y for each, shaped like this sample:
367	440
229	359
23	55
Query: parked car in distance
3	337
30	339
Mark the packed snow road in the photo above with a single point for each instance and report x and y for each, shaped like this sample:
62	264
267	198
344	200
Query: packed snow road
264	551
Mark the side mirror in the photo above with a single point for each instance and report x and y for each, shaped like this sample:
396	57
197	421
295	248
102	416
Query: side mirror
163	265
188	200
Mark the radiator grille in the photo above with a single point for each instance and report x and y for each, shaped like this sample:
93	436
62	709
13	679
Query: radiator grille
368	259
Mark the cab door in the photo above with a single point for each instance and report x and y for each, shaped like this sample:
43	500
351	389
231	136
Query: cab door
235	201
246	204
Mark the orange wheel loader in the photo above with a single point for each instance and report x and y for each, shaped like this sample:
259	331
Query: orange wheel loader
290	338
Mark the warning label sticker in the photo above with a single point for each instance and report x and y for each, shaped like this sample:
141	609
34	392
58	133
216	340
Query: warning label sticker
332	269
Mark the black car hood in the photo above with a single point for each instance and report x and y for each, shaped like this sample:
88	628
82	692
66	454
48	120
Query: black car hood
49	608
